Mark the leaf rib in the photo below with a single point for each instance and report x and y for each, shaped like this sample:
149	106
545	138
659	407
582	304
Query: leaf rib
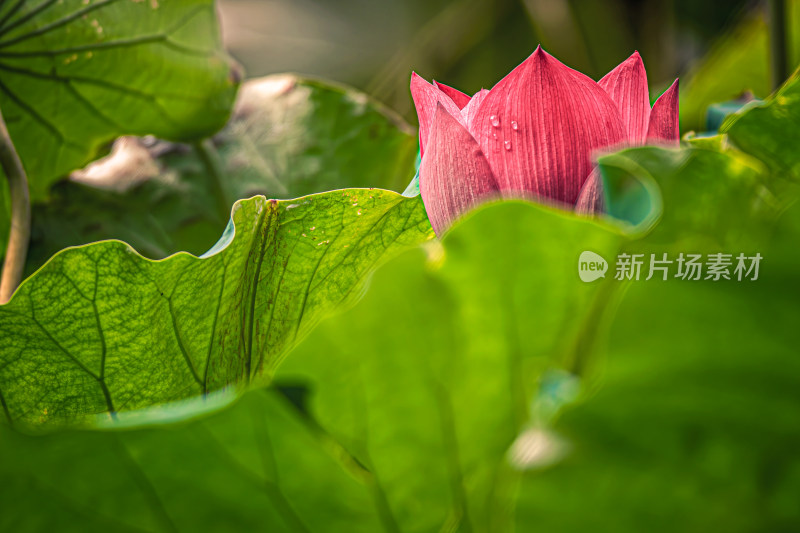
319	262
60	347
144	484
11	12
262	230
28	16
272	308
57	24
104	350
355	246
183	350
5	408
31	111
111	86
447	421
214	327
272	487
160	38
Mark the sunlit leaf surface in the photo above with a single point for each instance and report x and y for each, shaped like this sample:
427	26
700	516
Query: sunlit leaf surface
101	329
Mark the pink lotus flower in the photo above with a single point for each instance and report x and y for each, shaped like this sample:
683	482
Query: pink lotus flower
533	134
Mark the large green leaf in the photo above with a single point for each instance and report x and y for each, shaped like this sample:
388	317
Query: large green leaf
254	467
695	426
78	73
101	329
288	137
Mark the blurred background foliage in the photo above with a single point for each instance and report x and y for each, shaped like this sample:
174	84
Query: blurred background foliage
718	48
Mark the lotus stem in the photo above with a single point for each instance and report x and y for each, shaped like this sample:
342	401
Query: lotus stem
207	153
777	35
20	231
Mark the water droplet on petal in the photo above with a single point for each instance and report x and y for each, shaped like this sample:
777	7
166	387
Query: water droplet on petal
495	120
494	136
514	125
507	144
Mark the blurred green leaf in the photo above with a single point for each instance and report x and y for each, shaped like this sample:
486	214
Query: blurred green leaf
76	74
694	426
738	63
101	329
769	130
697	191
291	136
254	467
288	137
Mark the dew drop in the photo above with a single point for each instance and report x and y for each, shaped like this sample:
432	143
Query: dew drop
494	136
514	125
495	120
507	144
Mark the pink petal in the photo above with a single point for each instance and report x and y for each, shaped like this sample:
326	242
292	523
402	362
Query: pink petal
458	98
590	200
627	87
469	112
426	96
664	118
561	117
454	175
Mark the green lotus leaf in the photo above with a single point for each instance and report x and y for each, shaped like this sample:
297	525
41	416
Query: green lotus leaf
100	329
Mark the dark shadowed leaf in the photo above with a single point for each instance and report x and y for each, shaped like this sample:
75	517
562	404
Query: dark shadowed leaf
257	466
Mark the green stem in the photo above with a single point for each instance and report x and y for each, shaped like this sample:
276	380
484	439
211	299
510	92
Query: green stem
20	231
777	35
207	153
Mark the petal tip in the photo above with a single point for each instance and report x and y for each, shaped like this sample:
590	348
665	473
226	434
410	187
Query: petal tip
664	119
